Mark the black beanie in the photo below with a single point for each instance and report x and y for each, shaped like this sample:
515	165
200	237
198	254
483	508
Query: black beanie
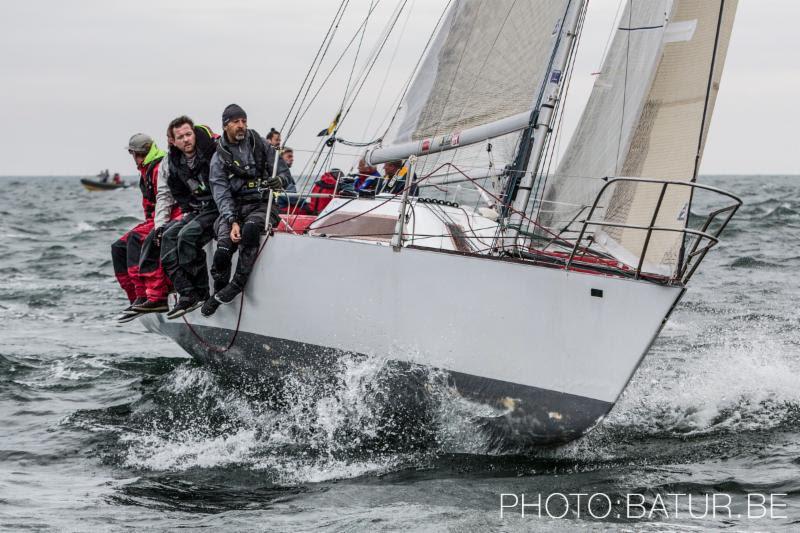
231	112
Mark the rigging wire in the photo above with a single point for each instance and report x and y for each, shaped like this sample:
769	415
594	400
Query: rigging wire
335	65
311	67
413	74
369	65
325	46
321	144
388	72
701	136
355	57
624	87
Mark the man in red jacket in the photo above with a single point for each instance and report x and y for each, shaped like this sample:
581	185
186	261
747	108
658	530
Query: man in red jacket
146	291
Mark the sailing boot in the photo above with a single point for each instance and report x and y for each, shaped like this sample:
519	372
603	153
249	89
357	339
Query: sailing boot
227	295
209	307
128	313
186	304
152	306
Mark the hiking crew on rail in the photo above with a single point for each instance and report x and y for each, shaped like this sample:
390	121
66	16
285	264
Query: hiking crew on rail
214	187
240	169
183	243
136	263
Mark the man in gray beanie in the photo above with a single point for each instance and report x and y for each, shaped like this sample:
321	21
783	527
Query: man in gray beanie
240	170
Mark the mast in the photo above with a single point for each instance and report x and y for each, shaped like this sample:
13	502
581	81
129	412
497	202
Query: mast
532	144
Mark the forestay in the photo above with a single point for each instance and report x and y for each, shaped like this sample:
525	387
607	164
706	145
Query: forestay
486	64
643	119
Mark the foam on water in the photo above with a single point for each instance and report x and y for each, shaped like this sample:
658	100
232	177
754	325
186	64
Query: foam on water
744	379
324	429
221	426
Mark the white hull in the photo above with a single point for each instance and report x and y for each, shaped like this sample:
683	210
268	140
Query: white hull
531	339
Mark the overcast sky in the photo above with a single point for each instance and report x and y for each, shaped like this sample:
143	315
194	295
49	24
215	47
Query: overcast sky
78	77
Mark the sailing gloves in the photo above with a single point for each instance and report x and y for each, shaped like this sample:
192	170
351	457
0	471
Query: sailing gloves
274	182
158	233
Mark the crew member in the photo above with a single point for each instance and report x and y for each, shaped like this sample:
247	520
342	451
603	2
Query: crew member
274	138
367	177
394	179
146	291
240	169
183	242
288	156
294	204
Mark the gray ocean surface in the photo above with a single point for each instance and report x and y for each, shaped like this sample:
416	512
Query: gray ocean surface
109	428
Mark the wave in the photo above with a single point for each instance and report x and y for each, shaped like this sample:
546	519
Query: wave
117	222
735	386
752	262
317	429
28	229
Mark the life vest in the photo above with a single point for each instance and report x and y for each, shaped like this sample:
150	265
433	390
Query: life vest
250	176
393	184
196	179
326	184
147	179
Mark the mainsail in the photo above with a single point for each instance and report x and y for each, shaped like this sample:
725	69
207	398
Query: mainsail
644	119
485	67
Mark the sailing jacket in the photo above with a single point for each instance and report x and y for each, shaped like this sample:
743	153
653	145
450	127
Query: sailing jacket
189	185
366	182
165	203
290	187
237	171
148	180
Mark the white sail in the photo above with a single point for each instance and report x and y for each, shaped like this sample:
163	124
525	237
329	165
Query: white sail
486	64
645	122
598	147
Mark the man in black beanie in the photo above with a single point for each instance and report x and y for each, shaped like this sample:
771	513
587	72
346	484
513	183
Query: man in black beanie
240	169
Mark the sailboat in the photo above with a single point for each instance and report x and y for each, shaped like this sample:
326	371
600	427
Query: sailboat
537	291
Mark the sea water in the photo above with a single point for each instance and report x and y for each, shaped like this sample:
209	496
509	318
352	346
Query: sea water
109	427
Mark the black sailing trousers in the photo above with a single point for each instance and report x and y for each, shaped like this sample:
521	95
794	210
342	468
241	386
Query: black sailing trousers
252	219
183	255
